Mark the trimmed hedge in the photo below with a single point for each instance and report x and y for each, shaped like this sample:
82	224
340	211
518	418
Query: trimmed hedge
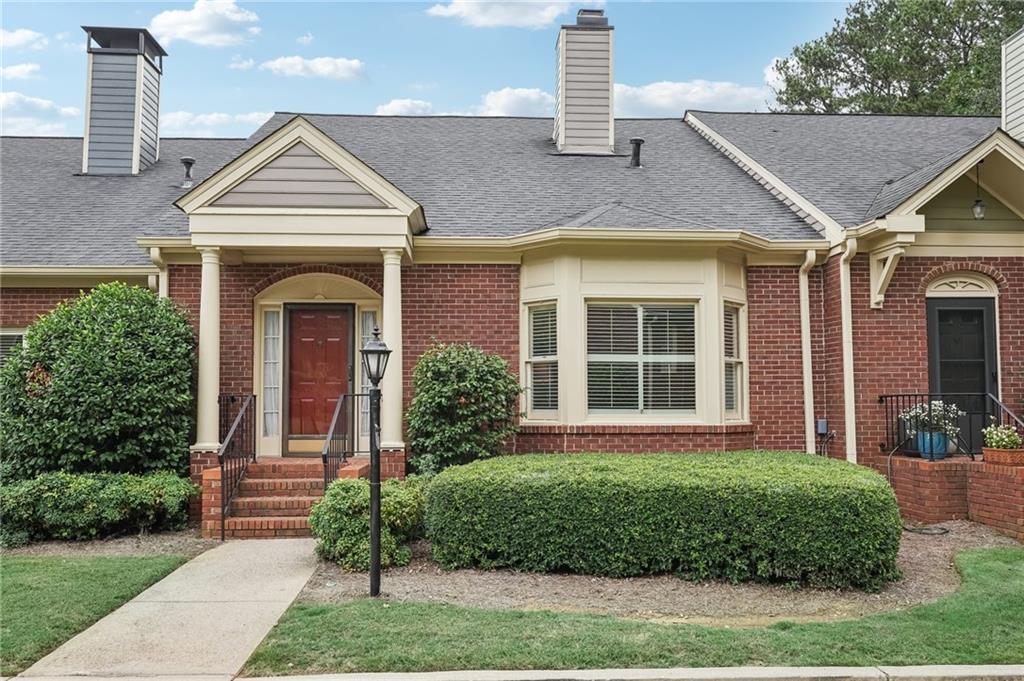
743	516
103	384
86	506
341	521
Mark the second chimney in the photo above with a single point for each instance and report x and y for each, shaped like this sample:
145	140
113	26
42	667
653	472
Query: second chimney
584	107
1013	86
122	107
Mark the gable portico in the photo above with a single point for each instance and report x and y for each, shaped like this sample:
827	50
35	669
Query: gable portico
298	196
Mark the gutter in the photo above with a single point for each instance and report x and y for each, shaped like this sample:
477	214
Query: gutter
846	310
810	259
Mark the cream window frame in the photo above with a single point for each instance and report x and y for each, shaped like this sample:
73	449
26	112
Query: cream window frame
530	361
640	358
740	363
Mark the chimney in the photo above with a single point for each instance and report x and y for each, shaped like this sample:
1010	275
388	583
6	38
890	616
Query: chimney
584	106
122	101
1013	86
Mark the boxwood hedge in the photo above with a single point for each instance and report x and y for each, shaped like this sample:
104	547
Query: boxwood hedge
740	516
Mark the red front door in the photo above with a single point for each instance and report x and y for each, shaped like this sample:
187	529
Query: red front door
319	354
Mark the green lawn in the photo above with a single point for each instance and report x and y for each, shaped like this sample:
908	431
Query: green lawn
45	600
982	623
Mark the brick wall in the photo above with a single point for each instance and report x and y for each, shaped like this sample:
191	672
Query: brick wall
928	491
832	405
776	354
995	497
633	439
21	306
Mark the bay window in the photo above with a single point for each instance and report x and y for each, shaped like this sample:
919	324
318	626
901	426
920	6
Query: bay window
641	358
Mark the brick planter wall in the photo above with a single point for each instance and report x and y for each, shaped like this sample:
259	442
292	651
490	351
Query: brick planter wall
956	489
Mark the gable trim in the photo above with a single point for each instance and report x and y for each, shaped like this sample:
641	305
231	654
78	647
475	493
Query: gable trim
997	141
794	200
298	129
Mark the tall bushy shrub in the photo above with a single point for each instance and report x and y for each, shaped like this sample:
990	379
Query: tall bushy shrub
90	505
341	521
754	516
103	383
464	407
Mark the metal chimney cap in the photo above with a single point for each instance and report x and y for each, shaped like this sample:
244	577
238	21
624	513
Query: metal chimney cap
591	17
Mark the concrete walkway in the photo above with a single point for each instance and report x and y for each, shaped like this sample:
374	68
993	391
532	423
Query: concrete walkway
202	620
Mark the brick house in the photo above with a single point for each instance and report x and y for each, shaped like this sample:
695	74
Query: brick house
711	282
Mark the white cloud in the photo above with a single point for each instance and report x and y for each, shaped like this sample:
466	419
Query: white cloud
24	115
334	68
405	107
239	64
206	124
213	23
22	37
668	98
305	39
19	71
498	14
516	101
772	78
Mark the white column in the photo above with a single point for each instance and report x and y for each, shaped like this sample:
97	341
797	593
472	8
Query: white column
391	333
207	426
846	321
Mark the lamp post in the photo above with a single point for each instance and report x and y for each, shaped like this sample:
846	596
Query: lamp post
375	361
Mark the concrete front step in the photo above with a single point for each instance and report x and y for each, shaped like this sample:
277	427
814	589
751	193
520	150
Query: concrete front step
250	506
267	526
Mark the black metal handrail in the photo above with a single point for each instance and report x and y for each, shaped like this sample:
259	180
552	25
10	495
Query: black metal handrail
976	411
237	449
342	438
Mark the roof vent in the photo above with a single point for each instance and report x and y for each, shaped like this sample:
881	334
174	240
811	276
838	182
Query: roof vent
634	159
187	182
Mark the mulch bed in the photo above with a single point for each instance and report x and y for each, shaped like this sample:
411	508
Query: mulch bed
926	562
186	543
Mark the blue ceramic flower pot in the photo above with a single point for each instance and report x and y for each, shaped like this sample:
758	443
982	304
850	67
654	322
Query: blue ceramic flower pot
932	445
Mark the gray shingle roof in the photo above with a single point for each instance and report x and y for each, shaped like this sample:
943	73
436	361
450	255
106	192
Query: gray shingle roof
501	177
478	176
51	216
853	167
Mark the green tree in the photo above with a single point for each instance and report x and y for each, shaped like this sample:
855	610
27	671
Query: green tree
903	56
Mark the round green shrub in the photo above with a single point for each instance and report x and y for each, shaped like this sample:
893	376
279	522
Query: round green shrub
464	407
90	505
750	516
341	521
102	384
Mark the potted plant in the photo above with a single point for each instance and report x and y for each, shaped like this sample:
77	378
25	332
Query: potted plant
934	424
1003	444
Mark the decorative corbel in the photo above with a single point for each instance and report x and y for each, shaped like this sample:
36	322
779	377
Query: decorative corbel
882	265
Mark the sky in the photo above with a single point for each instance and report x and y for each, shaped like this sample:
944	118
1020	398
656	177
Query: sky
232	63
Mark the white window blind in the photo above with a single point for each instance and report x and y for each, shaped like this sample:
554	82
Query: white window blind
641	358
542	364
271	373
8	342
733	363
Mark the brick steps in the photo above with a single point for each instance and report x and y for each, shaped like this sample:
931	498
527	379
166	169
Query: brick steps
267	526
250	506
275	496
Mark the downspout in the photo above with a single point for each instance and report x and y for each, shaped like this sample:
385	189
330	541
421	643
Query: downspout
846	311
805	345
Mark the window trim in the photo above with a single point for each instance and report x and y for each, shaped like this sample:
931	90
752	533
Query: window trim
640	358
739	361
530	361
14	331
